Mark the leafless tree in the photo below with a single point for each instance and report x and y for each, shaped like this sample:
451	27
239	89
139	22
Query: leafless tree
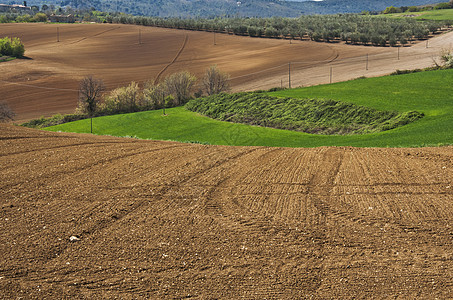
215	81
179	85
154	94
90	90
6	113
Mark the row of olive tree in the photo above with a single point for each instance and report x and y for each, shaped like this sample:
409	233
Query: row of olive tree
175	90
351	28
11	47
6	113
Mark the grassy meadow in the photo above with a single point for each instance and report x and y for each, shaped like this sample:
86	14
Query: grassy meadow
435	15
426	92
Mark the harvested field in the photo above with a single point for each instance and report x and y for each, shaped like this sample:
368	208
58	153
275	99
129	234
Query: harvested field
47	83
169	220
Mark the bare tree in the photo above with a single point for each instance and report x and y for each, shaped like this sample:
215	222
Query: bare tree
6	113
154	94
90	90
215	81
179	85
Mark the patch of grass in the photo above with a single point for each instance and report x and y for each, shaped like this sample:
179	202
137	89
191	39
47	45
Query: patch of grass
6	58
435	15
320	116
426	92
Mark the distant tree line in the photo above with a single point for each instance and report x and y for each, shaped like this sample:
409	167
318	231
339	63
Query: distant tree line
36	14
351	28
237	8
411	9
317	116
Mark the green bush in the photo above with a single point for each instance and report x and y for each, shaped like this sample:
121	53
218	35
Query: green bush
17	47
11	47
445	5
5	46
40	17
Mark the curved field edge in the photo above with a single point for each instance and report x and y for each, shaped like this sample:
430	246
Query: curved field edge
425	92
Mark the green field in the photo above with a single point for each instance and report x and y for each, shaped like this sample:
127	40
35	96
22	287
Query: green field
435	15
426	92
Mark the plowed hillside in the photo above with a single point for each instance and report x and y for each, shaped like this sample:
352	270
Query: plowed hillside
47	83
157	219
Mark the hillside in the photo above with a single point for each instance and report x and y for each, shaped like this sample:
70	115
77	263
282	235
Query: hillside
107	217
244	8
47	83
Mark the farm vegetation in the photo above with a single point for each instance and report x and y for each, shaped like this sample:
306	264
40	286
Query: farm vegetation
350	28
11	47
174	90
317	116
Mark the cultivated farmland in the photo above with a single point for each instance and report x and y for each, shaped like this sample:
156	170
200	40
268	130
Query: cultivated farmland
47	83
105	217
110	217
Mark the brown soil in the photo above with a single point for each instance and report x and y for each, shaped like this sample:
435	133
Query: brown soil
47	83
168	220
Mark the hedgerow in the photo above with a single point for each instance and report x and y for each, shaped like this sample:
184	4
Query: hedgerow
351	28
319	116
11	47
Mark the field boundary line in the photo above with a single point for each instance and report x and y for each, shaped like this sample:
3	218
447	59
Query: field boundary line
186	38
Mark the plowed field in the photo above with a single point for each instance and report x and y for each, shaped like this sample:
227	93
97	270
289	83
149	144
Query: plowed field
47	83
157	219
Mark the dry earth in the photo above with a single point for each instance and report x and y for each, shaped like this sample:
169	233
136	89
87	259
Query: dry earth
169	220
47	83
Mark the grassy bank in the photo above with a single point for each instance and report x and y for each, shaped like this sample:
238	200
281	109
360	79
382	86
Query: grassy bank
320	116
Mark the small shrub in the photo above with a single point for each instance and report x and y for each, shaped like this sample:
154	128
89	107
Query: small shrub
446	57
12	47
17	47
5	46
40	17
